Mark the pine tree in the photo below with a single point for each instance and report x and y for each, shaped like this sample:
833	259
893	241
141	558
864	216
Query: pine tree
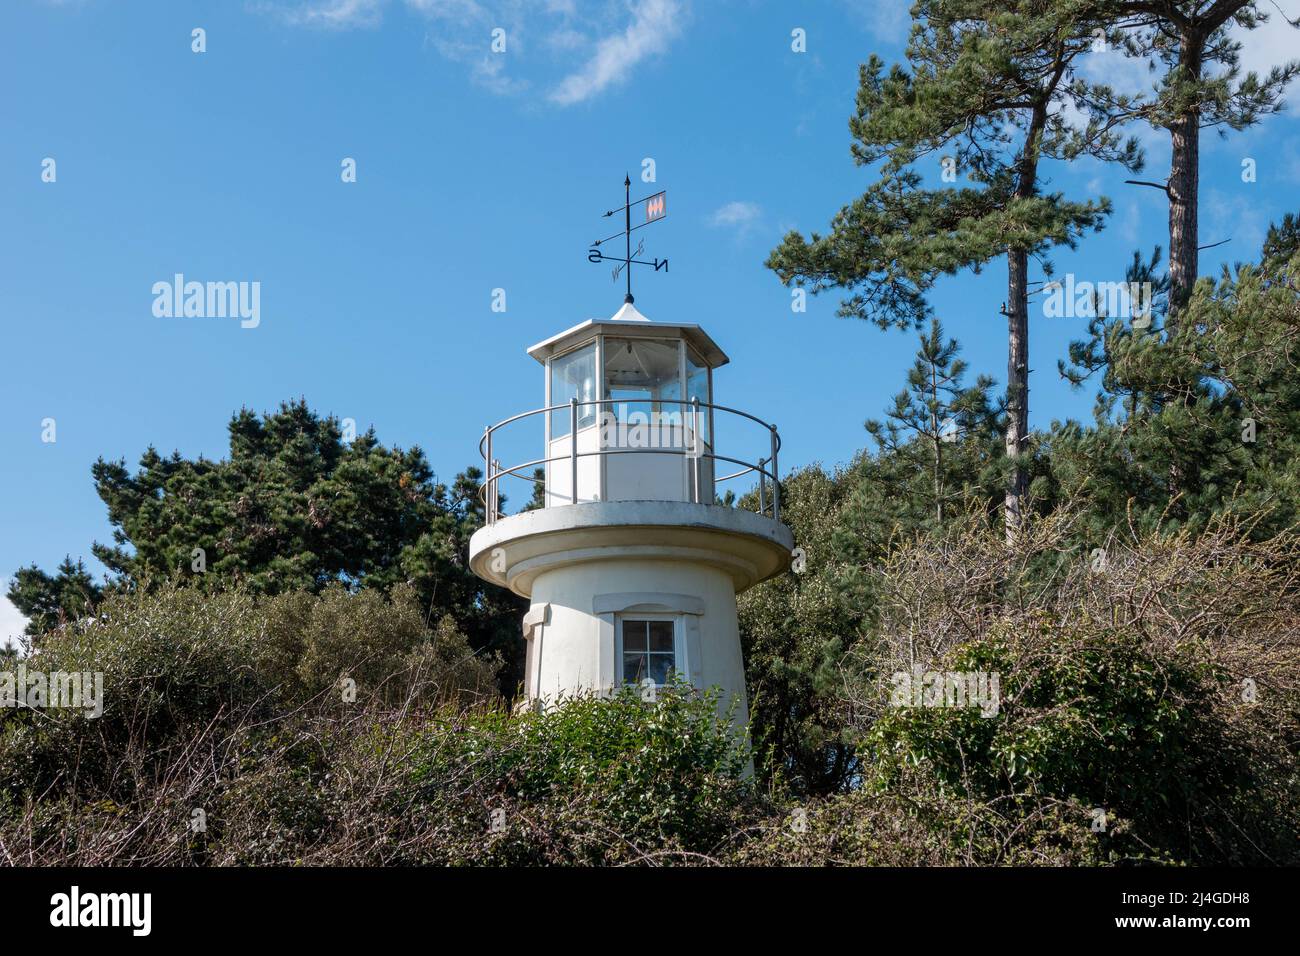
935	410
988	84
538	500
1281	243
1202	417
1201	88
1131	341
293	507
48	601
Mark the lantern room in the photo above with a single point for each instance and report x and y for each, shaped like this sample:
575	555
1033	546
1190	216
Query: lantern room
630	411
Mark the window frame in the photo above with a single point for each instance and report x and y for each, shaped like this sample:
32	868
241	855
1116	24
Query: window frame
680	664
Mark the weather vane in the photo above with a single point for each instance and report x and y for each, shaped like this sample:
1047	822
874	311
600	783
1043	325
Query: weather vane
656	208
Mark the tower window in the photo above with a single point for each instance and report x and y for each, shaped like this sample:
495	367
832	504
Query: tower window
649	648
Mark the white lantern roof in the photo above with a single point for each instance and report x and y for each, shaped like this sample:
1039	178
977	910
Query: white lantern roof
629	322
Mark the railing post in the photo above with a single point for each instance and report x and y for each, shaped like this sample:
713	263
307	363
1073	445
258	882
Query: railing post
762	487
776	478
695	445
496	489
573	449
487	465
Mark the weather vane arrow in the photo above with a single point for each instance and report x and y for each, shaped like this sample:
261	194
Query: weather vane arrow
656	208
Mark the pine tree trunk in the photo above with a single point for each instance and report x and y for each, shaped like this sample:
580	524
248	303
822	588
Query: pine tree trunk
938	485
938	452
1184	185
1184	177
1017	434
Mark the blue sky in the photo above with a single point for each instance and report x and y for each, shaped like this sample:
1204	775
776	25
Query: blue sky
476	170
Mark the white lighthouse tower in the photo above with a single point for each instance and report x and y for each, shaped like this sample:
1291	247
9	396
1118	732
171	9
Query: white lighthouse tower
632	567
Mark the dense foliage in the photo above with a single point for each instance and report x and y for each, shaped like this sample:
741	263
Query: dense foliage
1074	645
294	507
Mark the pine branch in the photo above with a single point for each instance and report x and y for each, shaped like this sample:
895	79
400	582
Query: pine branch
1163	187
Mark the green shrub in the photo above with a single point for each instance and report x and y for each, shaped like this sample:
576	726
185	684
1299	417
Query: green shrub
605	779
176	664
1156	693
915	823
382	642
182	669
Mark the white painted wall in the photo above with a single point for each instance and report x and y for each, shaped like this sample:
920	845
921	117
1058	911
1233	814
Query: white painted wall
575	647
559	474
643	476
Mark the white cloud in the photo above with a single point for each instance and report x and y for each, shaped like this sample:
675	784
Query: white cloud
608	39
346	14
334	14
1271	44
1115	68
1267	46
654	25
485	68
489	71
12	622
885	21
460	11
1125	75
740	216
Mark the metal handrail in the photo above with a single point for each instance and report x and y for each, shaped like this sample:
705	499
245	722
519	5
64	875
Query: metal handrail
489	494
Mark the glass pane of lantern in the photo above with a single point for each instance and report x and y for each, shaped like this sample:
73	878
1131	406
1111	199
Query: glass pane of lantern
641	376
573	375
697	386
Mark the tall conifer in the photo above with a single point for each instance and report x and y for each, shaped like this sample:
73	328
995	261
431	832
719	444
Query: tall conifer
990	90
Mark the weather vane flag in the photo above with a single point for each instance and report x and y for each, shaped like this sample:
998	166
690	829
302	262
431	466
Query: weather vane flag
655	208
